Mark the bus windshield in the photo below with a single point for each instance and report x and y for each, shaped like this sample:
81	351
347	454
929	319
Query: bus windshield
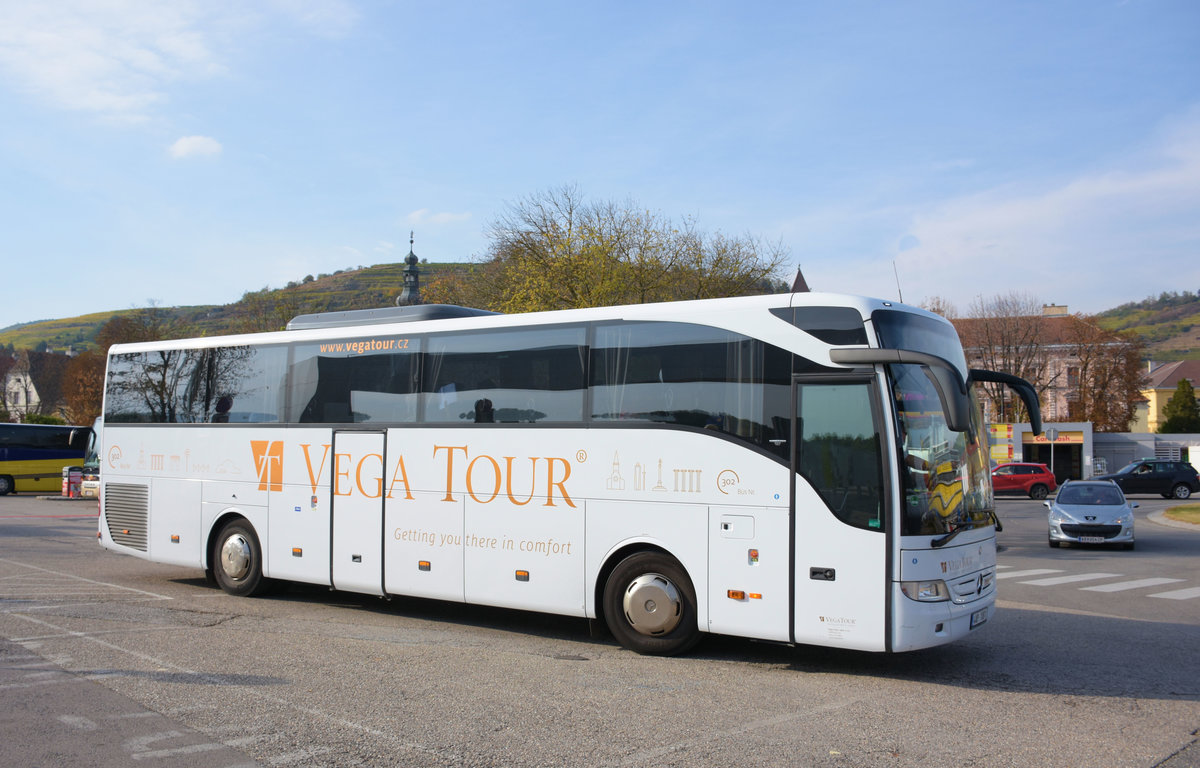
944	474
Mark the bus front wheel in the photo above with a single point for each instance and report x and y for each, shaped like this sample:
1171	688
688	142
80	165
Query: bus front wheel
6	485
237	561
650	605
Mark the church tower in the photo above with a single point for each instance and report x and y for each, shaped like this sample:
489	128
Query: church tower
411	295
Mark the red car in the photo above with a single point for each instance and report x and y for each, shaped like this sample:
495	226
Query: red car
1036	480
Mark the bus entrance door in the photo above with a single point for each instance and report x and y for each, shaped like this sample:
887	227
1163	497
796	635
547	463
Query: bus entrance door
357	545
838	503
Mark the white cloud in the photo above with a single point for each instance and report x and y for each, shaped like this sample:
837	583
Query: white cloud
426	216
1094	241
195	146
113	58
329	18
119	58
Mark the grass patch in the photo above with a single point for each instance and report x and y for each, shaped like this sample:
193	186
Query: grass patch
1185	513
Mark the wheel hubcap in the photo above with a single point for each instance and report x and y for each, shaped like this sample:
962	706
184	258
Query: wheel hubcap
652	604
235	557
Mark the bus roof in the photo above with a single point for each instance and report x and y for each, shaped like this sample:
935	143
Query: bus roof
734	313
360	317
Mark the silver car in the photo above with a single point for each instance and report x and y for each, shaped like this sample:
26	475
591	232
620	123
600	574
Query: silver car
1091	512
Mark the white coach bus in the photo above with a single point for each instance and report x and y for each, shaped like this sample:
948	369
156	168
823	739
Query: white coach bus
800	468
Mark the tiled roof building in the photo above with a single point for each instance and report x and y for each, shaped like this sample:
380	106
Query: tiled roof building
1160	385
34	383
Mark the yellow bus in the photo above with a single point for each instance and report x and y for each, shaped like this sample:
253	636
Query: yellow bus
32	456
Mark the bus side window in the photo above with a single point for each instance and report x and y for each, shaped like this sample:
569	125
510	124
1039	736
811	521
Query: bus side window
839	450
529	376
333	384
693	376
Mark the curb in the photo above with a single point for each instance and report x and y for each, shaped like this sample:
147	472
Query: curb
1161	518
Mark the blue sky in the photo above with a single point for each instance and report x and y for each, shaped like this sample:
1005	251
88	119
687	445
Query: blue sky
186	152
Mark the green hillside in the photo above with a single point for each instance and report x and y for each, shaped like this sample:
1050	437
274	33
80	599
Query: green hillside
1169	324
78	332
266	309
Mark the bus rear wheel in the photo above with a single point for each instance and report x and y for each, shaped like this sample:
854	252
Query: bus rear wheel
237	561
6	485
650	605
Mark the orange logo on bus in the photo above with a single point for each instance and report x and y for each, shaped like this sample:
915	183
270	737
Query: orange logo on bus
268	463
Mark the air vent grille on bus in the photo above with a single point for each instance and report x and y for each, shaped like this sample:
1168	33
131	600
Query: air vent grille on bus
125	508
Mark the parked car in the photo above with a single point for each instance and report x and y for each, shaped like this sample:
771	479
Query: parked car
89	487
1091	512
1034	480
1176	479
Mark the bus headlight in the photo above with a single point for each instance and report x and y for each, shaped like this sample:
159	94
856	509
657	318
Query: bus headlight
925	591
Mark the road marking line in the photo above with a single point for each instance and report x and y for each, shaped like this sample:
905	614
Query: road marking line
383	736
38	684
1121	586
1030	572
80	578
1056	580
188	750
1179	594
300	757
78	721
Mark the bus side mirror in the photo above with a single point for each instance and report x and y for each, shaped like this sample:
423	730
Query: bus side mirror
946	380
1023	389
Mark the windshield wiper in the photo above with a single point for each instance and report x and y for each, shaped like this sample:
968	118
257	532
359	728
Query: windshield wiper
965	526
943	541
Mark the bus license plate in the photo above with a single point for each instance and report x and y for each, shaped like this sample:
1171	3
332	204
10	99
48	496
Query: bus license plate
978	617
1091	539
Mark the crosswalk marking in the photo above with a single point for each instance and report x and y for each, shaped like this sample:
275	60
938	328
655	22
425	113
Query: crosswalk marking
1029	576
1180	594
1121	586
1056	580
1030	572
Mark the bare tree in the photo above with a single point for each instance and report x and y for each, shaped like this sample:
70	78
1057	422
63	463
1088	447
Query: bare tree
553	250
1006	333
939	305
1080	371
83	387
1105	375
264	311
149	323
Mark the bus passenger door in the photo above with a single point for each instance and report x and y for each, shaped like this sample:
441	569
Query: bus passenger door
357	493
839	512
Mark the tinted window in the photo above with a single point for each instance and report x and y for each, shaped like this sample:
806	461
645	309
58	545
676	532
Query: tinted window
838	450
1090	494
832	325
221	385
904	330
533	375
358	380
43	437
691	375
